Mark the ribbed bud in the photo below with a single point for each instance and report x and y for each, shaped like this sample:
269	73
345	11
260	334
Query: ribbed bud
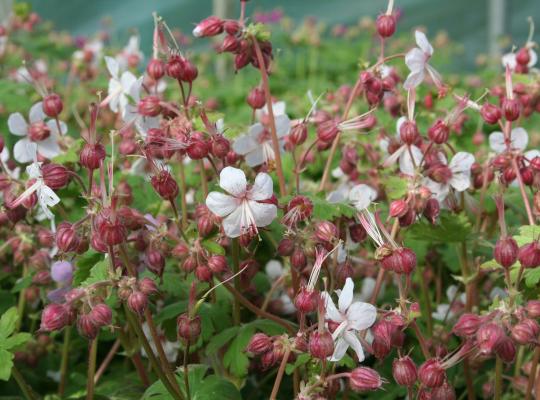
188	328
137	302
260	343
306	301
491	113
52	105
321	344
404	371
467	325
67	238
256	98
55	176
92	155
488	337
386	25
506	252
54	317
431	373
100	315
364	379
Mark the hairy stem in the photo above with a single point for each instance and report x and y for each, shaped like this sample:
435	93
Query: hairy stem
92	354
236	268
498	378
279	377
64	362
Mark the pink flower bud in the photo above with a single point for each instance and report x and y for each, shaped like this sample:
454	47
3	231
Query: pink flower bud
52	105
511	109
217	264
67	238
523	57
148	286
189	264
38	131
210	26
231	27
149	106
386	25
110	228
404	371
506	350
529	255
298	259
307	300
203	273
488	337
86	326
155	261
189	72
188	328
525	332
327	131
321	344
259	344
230	44
358	233
92	155
398	208
101	315
137	302
443	392
256	98
220	147
467	325
198	148
439	132
54	317
55	176
506	252
364	379
408	132
325	231
431	373
491	113
285	247
298	134
533	308
432	210
165	185
156	69
401	260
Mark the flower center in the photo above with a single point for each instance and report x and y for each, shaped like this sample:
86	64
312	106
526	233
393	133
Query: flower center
440	173
38	131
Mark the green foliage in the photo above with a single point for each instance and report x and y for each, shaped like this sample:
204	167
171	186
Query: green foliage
9	341
451	228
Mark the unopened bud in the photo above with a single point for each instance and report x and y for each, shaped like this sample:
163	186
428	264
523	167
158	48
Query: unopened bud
404	371
365	379
321	344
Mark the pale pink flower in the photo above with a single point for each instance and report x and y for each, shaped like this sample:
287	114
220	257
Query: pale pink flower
518	141
417	60
121	87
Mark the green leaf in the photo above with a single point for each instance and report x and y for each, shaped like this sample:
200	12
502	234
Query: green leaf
15	341
72	153
21	284
6	363
322	209
451	228
269	327
222	338
235	359
215	387
171	311
532	277
83	265
302	359
395	187
213	247
8	322
99	272
527	234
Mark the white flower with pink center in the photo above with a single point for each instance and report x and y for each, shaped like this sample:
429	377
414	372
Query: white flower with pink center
417	60
351	317
36	131
456	175
517	141
245	208
121	87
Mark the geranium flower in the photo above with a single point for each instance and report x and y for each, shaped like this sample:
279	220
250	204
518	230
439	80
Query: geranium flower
352	317
121	87
518	140
275	271
130	55
360	196
256	146
46	196
43	135
245	209
408	156
509	59
91	50
417	61
456	175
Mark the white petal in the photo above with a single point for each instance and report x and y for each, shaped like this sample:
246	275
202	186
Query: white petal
346	296
53	126
233	223
414	79
400	122
24	151
339	195
245	144
368	286
442	311
331	311
256	157
519	138
461	162
529	156
361	315
47	196
112	66
49	147
262	188
340	349
127	80
496	142
278	108
509	60
233	180
221	204
533	58
263	213
435	76
423	43
439	190
283	125
362	195
392	158
353	341
17	125
451	292
36	113
274	269
415	60
407	165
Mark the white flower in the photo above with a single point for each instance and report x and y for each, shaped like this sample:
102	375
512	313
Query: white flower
243	210
278	108
352	317
131	52
256	146
362	195
518	140
23	151
274	270
93	48
460	176
46	196
14	173
142	123
121	87
444	311
509	60
417	61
